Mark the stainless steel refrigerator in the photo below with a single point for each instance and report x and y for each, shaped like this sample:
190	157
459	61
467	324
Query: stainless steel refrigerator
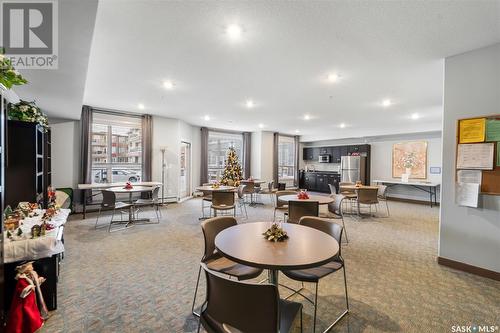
352	169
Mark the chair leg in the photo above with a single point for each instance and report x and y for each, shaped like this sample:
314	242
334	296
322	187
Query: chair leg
301	322
345	230
274	216
387	206
111	222
97	219
245	206
315	307
158	214
195	293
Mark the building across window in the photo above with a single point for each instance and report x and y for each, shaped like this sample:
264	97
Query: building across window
286	160
218	144
116	148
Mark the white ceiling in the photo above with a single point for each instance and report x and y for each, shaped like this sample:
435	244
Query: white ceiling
382	49
60	92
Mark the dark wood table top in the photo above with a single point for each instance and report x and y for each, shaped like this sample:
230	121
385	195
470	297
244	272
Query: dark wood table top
305	248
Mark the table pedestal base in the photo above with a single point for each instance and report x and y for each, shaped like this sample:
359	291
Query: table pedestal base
273	276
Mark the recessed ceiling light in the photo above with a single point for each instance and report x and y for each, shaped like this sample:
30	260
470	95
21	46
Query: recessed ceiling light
168	84
386	102
297	131
234	31
415	116
333	78
207	117
141	106
307	117
261	125
250	104
342	125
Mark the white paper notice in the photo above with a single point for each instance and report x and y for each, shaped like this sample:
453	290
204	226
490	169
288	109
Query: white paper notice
467	194
469	176
475	156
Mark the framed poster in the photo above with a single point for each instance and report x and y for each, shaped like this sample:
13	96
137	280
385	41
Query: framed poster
410	158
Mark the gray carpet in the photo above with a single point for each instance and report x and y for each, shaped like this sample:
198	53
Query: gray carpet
142	279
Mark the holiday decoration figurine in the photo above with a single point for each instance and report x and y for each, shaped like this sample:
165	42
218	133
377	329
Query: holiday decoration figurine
24	315
128	186
232	174
302	195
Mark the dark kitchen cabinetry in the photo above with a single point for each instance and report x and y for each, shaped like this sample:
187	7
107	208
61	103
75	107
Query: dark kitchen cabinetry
311	154
335	152
309	180
322	183
318	181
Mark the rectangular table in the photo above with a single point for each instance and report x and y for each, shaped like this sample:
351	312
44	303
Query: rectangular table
102	186
429	187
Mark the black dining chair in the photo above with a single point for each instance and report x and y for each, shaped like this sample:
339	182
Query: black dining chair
152	201
109	202
314	275
236	307
214	259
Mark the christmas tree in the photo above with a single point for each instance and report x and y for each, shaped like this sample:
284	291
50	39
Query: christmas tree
232	171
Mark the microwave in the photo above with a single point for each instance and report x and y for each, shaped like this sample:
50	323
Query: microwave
324	158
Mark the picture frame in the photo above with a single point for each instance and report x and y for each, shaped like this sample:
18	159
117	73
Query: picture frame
410	157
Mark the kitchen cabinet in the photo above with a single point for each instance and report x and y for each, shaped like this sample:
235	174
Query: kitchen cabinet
321	183
325	151
311	154
318	181
336	154
309	180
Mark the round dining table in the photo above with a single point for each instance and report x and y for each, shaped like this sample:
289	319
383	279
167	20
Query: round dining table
135	189
305	247
321	199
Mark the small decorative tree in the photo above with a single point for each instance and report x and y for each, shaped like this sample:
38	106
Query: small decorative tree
232	174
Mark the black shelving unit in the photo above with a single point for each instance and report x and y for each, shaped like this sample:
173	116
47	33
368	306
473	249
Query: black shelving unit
3	117
26	163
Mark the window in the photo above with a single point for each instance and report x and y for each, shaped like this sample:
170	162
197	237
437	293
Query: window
116	148
218	144
286	160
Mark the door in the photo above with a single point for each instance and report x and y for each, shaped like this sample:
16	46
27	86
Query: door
185	171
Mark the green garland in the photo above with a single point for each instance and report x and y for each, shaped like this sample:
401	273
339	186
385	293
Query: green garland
8	75
29	112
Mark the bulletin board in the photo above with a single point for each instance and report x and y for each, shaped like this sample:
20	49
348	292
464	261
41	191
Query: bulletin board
485	133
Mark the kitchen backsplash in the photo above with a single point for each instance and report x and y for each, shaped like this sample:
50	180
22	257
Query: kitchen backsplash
323	166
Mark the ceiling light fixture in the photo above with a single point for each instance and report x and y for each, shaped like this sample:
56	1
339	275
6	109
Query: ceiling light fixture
234	31
250	104
297	131
415	116
386	103
307	117
333	78
342	125
207	117
168	84
141	106
261	125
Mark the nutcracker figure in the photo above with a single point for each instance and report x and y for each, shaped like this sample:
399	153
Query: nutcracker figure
25	315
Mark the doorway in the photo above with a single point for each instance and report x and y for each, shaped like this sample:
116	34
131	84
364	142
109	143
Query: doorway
185	171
